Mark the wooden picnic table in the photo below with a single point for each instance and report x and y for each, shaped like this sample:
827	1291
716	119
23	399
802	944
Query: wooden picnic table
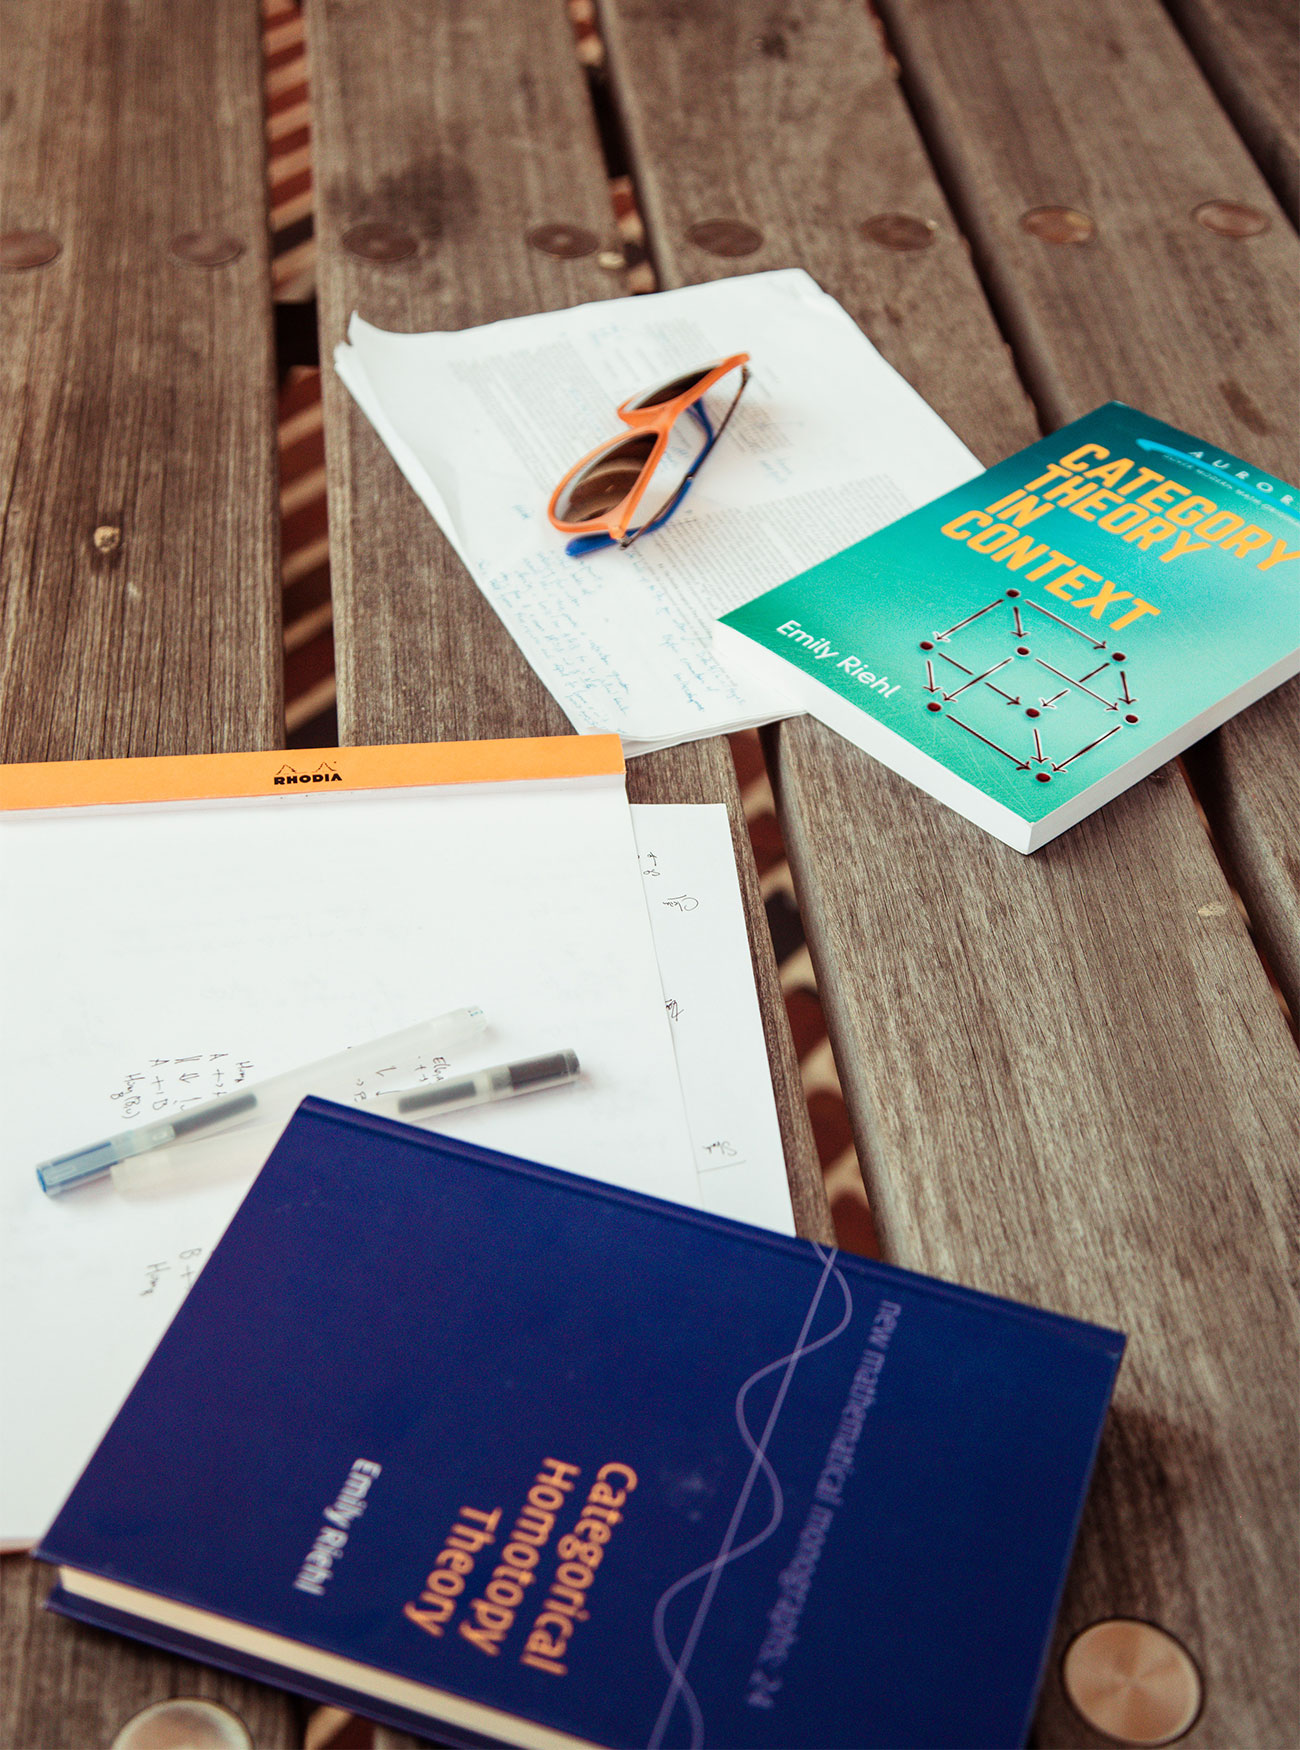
1070	1076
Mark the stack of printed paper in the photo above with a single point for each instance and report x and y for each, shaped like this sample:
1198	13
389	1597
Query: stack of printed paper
828	444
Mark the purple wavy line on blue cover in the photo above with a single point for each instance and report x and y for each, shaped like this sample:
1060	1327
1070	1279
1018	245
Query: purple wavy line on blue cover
678	1688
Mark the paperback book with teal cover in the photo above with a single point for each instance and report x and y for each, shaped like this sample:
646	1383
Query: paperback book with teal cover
506	1456
1037	640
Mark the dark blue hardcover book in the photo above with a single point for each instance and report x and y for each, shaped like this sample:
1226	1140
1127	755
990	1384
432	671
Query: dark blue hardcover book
492	1452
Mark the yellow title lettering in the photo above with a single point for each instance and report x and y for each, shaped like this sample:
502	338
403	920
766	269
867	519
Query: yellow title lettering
1278	556
1135	613
1073	579
1097	604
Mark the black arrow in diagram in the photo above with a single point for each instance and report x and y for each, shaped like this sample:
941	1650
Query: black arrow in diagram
1084	750
940	637
1093	671
1128	697
953	661
1019	764
1006	696
1015	609
976	679
1097	644
1050	704
929	678
1110	704
1038	750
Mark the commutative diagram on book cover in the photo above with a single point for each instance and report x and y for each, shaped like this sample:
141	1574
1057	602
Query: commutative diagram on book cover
1023	685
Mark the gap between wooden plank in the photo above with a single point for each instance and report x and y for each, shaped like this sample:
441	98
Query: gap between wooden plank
1251	56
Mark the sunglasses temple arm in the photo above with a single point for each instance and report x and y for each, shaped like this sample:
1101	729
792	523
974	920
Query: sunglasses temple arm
583	544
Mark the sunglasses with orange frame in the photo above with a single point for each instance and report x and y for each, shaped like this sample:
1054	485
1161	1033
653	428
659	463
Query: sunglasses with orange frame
598	498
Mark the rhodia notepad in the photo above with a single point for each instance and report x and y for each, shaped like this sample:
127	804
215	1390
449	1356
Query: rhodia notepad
178	928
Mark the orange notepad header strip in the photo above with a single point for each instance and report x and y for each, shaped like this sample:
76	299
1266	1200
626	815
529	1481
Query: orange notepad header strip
194	777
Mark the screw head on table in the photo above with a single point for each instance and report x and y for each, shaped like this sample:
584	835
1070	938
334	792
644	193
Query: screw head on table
567	242
206	248
375	241
1058	225
1231	219
187	1723
21	249
899	231
107	538
1132	1681
725	237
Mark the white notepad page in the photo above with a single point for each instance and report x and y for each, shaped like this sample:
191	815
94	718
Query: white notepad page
160	951
698	918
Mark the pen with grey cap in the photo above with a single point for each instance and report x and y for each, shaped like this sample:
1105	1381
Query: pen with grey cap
502	1082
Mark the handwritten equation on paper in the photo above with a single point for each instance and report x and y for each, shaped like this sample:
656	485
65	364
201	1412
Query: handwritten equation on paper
720	1151
652	869
178	1272
399	1075
173	1084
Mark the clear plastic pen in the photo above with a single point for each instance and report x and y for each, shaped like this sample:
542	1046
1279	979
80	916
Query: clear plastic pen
153	1153
503	1081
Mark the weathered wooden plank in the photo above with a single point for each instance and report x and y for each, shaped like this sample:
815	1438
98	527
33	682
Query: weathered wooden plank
1250	53
1113	119
1029	1046
137	396
1246	778
793	125
1192	325
465	129
69	1686
1198	327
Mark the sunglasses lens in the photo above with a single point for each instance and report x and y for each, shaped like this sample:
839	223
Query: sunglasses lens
602	485
669	391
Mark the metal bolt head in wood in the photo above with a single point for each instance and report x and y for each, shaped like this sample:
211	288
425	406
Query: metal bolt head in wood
376	241
23	249
1231	219
206	248
107	538
187	1723
1132	1681
1058	225
725	237
567	242
899	231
